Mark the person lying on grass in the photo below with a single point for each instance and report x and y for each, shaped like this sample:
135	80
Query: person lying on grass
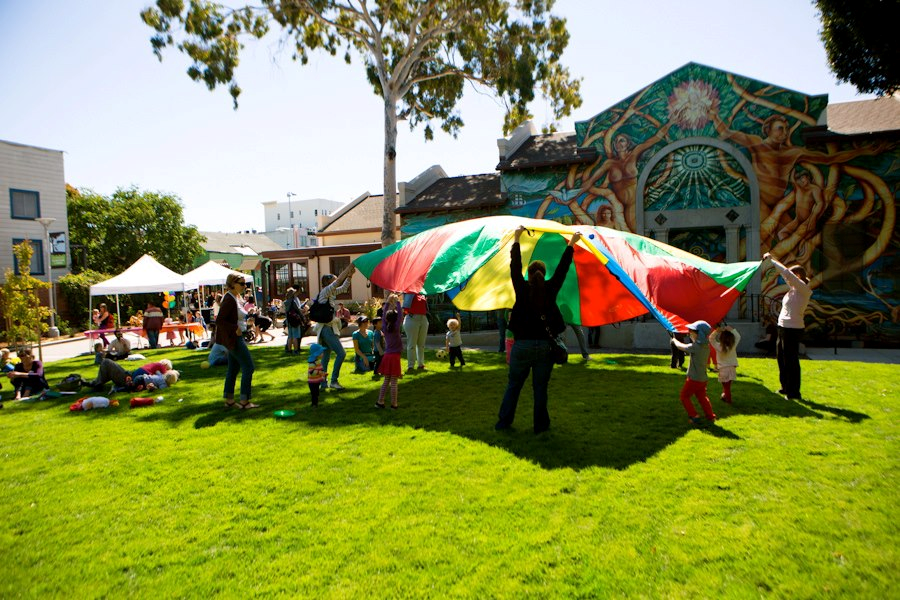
142	379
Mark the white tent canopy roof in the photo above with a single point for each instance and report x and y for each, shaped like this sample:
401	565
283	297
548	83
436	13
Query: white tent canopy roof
212	273
145	275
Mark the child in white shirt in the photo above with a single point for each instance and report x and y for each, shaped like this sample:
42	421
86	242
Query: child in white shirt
454	342
725	340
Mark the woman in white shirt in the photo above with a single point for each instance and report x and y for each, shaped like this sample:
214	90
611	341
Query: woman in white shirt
790	326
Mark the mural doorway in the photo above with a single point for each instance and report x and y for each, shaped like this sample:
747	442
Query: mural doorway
708	243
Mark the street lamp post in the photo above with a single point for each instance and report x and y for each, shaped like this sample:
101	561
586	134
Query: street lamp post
47	222
291	219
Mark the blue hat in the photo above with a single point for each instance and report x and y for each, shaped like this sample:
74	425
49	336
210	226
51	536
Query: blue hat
315	351
702	328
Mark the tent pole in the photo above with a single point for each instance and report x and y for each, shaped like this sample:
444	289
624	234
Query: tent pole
90	319
118	313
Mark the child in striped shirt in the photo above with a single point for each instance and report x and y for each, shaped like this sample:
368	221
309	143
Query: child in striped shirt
315	373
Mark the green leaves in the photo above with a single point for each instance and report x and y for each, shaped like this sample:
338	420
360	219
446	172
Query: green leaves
423	49
19	302
212	37
860	40
118	230
417	54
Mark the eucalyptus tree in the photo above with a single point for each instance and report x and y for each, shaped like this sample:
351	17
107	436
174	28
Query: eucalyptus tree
418	54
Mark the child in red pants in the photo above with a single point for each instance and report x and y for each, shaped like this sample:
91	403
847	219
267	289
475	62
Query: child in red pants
695	384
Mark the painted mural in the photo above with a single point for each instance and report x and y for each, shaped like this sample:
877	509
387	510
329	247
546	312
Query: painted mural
830	207
701	139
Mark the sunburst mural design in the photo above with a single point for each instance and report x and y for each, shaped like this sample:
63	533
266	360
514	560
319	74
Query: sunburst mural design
696	176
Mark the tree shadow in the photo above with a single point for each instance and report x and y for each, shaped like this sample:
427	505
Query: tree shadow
614	411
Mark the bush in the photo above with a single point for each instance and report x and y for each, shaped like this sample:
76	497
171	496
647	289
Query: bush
76	288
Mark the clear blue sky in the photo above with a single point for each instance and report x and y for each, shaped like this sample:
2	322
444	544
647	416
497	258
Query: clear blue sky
80	76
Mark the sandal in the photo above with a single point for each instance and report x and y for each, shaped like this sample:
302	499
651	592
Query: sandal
247	405
230	404
394	406
379	405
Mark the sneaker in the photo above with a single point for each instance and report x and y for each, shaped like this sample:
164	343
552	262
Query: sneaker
421	368
697	421
410	371
726	400
336	386
323	385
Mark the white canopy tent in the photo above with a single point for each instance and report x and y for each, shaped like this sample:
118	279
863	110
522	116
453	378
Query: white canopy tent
212	273
144	276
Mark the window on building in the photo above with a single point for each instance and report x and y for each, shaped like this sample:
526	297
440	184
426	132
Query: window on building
277	216
37	259
24	204
337	264
292	214
293	275
316	212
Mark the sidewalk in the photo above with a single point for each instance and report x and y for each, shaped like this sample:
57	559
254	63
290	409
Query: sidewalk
71	347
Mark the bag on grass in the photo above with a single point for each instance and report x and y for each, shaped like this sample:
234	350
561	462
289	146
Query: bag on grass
71	383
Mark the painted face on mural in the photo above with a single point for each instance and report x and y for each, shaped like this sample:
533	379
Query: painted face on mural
777	130
622	144
604	215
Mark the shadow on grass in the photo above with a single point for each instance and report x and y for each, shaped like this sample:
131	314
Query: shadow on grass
850	415
613	412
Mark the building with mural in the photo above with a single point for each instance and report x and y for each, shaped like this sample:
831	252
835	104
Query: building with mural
728	168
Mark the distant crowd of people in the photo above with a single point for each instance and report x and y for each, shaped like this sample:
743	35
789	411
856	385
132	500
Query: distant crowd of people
530	332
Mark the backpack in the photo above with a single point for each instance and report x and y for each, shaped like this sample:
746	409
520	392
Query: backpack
294	316
71	383
321	312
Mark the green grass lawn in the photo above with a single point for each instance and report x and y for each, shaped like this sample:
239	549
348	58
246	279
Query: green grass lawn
621	498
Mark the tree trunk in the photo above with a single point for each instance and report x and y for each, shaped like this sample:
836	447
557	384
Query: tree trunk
390	170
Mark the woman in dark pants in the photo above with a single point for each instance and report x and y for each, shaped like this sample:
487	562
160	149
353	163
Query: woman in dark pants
230	327
28	376
790	326
534	312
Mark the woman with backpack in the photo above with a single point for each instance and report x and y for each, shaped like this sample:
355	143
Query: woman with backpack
295	321
329	331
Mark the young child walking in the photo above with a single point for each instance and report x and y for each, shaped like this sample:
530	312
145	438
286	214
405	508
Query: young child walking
725	340
695	384
454	342
315	373
393	346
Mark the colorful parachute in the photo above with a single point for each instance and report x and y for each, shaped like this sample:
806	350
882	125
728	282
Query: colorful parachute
615	276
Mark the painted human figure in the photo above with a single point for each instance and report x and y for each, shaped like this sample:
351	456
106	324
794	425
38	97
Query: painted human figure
605	217
809	206
621	169
774	157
